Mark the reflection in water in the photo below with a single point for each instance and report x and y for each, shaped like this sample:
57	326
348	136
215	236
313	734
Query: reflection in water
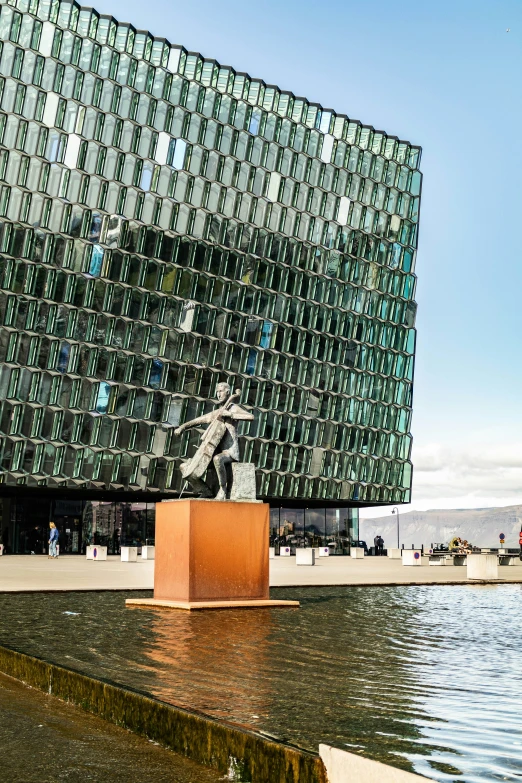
213	662
427	678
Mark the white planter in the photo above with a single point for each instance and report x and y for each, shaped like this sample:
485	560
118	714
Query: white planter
284	551
324	551
129	554
482	567
305	557
394	553
357	552
271	552
148	552
1	550
411	557
96	552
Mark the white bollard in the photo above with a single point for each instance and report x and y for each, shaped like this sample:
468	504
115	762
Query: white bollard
305	557
394	553
129	554
96	552
271	552
411	557
1	550
357	552
284	551
148	552
482	567
324	551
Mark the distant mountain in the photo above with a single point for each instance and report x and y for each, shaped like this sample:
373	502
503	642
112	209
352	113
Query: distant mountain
480	526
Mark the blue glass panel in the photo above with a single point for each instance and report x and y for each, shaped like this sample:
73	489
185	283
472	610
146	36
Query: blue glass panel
254	122
266	334
156	373
96	261
251	362
146	177
63	357
102	402
177	153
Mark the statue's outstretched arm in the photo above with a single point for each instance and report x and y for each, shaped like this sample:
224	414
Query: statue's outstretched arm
206	419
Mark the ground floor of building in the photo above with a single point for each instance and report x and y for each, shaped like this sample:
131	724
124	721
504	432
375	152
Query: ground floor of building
80	522
335	528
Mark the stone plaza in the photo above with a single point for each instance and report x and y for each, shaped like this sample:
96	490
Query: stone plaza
31	573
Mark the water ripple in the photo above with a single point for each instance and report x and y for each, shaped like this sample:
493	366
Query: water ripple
426	678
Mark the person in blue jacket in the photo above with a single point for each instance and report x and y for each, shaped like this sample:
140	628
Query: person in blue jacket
53	540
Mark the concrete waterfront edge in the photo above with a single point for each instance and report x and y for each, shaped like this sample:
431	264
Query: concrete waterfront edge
344	767
212	743
201	738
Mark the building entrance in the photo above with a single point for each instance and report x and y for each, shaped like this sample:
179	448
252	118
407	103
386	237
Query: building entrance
24	524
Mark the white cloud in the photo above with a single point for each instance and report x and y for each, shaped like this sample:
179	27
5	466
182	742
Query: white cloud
479	475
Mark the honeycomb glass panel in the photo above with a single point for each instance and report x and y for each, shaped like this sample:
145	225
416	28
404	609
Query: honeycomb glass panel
167	224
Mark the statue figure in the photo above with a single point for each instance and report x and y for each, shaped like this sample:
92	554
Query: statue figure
219	443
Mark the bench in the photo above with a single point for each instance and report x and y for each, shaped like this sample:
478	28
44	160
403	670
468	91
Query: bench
437	560
446	558
509	560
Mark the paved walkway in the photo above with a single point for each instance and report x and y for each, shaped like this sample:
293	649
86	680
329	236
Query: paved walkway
27	573
372	571
73	572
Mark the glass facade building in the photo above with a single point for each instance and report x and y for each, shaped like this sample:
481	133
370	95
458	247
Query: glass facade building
167	223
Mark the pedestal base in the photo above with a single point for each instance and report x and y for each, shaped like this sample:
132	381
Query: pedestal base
191	606
211	555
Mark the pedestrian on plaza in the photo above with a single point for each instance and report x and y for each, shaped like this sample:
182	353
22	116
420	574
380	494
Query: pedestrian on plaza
378	543
53	540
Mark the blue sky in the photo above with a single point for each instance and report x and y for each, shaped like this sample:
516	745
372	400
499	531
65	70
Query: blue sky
445	75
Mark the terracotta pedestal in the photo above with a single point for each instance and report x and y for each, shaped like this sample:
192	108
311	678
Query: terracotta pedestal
211	555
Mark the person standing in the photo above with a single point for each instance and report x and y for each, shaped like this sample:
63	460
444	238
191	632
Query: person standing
53	540
378	542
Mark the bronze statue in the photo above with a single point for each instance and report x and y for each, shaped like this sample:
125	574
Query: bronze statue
219	443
